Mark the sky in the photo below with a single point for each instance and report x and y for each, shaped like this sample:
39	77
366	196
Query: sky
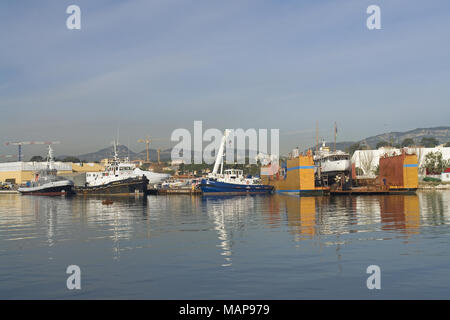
145	68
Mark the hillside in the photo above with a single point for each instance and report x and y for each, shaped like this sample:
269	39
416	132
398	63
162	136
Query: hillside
442	134
123	151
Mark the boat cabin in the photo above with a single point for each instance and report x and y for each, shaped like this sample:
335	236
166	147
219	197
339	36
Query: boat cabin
234	173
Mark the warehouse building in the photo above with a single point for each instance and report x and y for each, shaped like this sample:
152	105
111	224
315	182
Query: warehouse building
22	172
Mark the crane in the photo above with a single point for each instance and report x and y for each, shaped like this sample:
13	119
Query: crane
22	143
147	143
3	156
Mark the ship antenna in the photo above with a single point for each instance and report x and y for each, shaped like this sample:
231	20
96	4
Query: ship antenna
335	133
115	151
317	136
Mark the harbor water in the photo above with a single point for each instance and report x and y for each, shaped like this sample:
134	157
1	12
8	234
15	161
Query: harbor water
241	247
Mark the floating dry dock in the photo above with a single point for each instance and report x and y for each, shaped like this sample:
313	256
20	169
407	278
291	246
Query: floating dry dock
398	174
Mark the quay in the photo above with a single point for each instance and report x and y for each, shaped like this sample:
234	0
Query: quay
9	192
179	190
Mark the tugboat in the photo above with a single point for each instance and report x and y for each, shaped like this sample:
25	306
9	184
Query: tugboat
232	181
118	178
47	183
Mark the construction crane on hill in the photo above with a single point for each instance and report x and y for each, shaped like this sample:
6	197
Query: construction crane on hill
147	144
4	156
23	143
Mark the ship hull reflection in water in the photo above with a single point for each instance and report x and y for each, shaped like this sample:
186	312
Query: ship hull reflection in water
256	247
311	216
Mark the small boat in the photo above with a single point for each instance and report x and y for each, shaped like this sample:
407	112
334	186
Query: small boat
47	182
232	181
173	183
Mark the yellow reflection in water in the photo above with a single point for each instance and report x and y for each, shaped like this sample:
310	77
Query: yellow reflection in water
301	214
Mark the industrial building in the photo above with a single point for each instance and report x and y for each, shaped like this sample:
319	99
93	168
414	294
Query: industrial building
22	172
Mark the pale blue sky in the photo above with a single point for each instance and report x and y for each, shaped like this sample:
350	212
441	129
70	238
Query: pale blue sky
149	67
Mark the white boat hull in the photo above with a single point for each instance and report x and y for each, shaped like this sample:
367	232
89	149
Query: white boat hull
335	166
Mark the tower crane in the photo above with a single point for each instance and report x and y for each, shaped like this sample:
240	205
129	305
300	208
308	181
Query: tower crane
4	156
147	144
23	143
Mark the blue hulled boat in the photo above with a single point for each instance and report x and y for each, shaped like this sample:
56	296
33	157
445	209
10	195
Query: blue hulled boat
232	181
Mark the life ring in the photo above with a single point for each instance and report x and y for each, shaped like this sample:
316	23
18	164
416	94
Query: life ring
248	182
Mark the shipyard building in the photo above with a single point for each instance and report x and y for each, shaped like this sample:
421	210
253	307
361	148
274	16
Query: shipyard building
22	172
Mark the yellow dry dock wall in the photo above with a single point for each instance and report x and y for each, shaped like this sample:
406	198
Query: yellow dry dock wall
410	171
299	176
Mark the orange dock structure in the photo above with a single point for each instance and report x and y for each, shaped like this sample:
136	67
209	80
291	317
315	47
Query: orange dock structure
295	177
398	174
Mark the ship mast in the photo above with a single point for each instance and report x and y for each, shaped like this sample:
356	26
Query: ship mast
116	158
115	152
50	158
335	132
317	137
219	156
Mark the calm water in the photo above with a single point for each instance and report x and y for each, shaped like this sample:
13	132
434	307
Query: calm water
251	247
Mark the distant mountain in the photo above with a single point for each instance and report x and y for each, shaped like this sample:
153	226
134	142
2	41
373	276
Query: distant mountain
442	134
123	152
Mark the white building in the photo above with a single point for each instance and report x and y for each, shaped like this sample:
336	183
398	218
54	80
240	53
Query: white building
445	176
368	160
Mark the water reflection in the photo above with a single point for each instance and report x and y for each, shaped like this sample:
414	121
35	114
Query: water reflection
225	213
86	219
401	213
309	217
300	214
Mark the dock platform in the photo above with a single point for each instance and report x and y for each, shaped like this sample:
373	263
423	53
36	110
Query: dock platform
370	190
176	191
9	192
